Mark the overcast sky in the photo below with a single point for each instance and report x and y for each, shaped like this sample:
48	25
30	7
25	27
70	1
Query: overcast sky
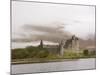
33	21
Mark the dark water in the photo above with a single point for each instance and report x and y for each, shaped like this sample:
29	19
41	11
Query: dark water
54	66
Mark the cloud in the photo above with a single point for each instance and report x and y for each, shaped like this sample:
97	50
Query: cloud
50	32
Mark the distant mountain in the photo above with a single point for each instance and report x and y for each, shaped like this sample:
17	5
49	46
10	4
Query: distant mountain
87	43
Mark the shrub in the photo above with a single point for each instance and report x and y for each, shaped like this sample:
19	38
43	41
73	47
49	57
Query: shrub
29	52
19	53
30	48
86	52
43	54
32	51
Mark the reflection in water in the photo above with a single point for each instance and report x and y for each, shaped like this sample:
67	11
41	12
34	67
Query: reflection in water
54	66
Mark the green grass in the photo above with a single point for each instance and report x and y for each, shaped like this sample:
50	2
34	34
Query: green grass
35	55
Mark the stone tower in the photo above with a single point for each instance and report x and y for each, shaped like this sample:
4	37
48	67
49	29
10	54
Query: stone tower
41	44
75	43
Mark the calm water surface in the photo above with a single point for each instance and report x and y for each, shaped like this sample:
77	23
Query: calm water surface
54	66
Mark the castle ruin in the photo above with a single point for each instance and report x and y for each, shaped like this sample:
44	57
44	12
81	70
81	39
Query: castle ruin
70	44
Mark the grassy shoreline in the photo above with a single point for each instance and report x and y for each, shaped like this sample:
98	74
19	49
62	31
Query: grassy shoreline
30	61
